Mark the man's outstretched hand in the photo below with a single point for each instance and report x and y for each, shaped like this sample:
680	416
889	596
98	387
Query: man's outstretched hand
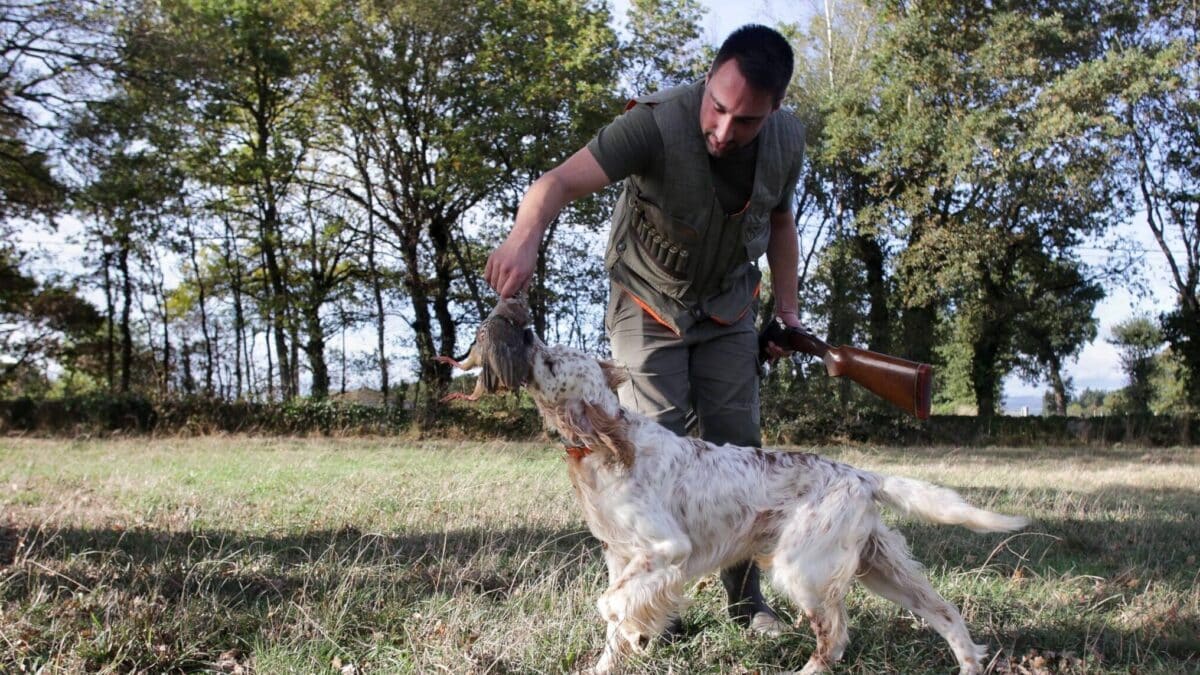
511	265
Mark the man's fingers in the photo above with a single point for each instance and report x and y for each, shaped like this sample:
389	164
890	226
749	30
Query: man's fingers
775	351
512	284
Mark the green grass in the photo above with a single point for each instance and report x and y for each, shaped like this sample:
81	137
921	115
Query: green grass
381	555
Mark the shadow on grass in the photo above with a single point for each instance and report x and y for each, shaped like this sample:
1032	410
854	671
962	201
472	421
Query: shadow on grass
239	566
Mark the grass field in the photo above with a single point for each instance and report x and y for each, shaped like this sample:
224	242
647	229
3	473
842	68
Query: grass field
380	556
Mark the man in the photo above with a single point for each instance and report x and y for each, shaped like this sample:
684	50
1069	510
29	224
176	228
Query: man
709	171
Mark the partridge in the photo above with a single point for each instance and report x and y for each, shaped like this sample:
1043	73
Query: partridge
501	349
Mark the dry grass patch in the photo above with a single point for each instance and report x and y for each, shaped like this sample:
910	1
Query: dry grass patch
380	556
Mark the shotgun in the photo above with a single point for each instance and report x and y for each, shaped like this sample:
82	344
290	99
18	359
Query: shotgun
903	383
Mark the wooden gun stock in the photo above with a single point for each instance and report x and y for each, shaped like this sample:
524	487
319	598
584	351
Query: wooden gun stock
903	383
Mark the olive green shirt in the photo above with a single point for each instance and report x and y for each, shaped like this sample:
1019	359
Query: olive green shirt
632	145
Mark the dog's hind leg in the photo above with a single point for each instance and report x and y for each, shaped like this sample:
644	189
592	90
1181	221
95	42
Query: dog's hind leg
889	570
815	565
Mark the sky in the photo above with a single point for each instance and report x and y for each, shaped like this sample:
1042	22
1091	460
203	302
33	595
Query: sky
1097	367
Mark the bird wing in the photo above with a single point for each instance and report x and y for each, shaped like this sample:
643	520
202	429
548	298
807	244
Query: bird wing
504	354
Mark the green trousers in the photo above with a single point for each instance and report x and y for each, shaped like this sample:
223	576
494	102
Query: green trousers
707	376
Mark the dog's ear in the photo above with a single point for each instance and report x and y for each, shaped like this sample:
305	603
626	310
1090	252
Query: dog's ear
599	430
614	375
611	431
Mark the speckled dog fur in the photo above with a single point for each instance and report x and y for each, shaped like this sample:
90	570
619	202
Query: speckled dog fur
670	509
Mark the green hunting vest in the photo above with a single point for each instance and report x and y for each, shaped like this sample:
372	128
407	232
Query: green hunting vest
671	246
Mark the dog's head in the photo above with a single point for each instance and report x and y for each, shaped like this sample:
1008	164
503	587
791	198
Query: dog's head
577	395
559	373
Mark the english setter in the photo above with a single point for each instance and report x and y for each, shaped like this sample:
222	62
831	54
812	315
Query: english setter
669	509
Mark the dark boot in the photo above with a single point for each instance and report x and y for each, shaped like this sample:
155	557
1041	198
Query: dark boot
746	603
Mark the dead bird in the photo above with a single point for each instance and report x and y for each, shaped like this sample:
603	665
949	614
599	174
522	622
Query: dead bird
501	350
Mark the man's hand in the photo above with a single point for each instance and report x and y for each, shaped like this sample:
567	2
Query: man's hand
789	319
511	265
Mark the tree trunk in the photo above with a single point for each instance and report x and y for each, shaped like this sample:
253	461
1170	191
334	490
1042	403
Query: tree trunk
1058	386
984	375
110	356
200	290
870	253
185	357
316	352
126	304
233	266
917	327
270	369
277	304
377	292
444	268
429	372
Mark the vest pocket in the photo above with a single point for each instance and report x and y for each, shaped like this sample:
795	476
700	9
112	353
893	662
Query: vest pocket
661	239
635	258
757	234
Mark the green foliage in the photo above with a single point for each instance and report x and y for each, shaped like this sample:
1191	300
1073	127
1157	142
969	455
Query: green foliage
664	48
1169	384
959	156
1154	71
962	150
39	322
1138	339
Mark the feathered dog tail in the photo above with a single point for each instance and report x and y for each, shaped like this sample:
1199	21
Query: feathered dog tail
942	505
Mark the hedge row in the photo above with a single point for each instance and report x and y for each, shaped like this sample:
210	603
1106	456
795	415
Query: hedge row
99	415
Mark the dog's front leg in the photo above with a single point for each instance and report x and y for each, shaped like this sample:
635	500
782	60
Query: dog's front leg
638	605
615	646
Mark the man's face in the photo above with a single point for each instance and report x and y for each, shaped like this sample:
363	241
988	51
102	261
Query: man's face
732	112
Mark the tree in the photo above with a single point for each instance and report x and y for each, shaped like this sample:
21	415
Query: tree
1138	339
1155	72
40	322
324	269
1059	324
986	165
243	74
127	194
832	93
664	49
44	46
440	127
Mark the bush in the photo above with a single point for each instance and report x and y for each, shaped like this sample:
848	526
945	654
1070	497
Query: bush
809	414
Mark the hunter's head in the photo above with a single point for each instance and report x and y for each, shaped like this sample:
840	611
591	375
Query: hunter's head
745	85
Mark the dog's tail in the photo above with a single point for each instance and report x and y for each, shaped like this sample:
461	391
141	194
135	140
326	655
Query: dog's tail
942	505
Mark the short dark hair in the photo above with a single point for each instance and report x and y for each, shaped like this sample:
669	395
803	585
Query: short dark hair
763	56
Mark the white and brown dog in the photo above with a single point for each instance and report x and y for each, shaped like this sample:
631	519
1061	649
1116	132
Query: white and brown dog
669	509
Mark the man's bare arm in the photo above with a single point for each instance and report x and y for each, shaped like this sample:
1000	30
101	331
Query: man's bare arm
783	257
511	265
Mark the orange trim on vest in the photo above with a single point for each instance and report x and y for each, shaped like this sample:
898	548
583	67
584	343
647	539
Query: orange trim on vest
717	319
629	106
646	308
